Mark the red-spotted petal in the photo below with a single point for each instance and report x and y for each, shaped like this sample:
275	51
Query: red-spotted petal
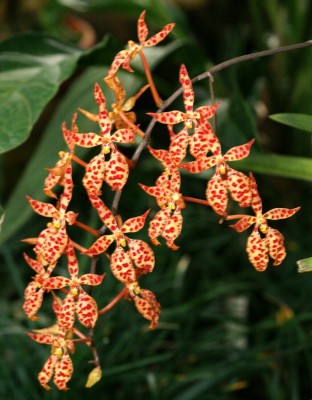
87	310
178	146
56	282
123	136
141	254
280	213
104	213
66	317
94	175
238	152
116	170
204	140
72	263
63	372
68	189
216	194
238	185
44	209
142	28
148	307
276	245
188	93
152	41
87	139
51	246
244	223
34	264
44	338
169	117
121	266
91	279
257	251
33	300
173	229
157	225
256	202
200	165
100	245
47	371
134	224
104	120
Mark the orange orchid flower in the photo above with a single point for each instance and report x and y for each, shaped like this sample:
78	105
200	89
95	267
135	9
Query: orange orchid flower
259	248
52	241
124	57
59	363
189	116
139	252
85	307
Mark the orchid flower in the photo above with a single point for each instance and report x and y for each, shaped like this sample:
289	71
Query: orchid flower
145	302
115	171
190	116
124	57
56	174
139	252
52	241
225	178
85	307
59	363
34	291
259	248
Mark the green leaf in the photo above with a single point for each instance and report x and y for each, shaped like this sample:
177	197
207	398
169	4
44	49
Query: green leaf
1	218
299	121
305	265
32	67
273	164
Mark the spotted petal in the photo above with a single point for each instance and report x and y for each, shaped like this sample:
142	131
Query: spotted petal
91	279
87	139
142	28
148	307
100	245
50	246
244	223
134	224
238	185
117	170
280	213
94	175
104	213
72	263
257	251
142	255
44	209
33	300
87	310
63	372
238	152
47	371
56	282
121	266
178	146
216	194
123	136
204	140
66	317
276	245
68	189
200	165
157	225
256	201
169	117
173	229
152	41
104	120
44	338
34	264
188	93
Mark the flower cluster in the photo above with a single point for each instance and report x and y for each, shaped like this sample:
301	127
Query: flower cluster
109	169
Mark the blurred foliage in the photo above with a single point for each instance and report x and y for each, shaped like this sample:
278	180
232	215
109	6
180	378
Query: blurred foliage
226	332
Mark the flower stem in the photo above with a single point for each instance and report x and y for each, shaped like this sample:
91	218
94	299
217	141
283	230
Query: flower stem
87	228
193	200
113	302
150	80
79	161
131	124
